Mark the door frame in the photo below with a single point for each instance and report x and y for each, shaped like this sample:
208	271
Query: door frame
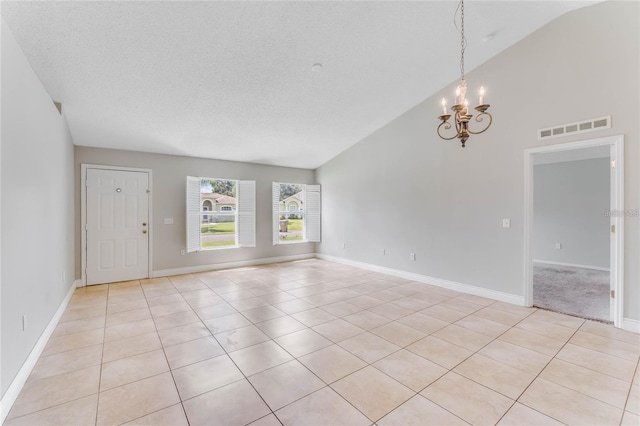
616	240
83	213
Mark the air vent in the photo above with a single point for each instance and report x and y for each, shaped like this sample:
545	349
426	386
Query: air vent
573	128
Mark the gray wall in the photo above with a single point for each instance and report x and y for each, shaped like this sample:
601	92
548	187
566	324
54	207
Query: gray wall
168	200
568	203
37	208
404	189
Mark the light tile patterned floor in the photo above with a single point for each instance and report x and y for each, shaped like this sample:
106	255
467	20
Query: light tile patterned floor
319	343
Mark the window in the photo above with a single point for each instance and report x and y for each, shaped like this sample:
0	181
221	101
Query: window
206	207
220	213
296	213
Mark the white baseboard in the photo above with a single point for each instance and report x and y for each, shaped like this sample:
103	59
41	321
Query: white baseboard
572	265
229	265
439	282
23	374
78	284
631	325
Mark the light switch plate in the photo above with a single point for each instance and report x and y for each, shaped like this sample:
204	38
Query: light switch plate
506	223
168	221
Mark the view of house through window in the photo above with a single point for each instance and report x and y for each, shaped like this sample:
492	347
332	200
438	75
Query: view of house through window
218	212
291	212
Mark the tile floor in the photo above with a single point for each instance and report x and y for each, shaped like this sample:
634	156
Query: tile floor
319	343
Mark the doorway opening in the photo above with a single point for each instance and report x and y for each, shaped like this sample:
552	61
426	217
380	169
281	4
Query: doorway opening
573	232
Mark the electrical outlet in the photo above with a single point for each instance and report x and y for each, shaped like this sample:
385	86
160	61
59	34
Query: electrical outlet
506	223
412	256
558	246
183	252
24	322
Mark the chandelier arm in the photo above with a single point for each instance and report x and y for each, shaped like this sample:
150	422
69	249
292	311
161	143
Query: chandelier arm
461	117
458	123
447	126
480	119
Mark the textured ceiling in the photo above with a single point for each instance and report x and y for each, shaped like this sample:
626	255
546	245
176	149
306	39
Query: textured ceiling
234	80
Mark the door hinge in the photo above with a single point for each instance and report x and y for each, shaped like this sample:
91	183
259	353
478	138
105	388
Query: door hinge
86	182
148	191
613	229
613	164
613	294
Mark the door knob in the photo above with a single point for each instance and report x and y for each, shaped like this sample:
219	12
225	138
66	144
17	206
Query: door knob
144	223
144	231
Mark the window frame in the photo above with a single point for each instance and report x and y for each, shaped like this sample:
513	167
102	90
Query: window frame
310	228
243	214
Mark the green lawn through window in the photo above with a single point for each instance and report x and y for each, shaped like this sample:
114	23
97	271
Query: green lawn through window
219	228
218	234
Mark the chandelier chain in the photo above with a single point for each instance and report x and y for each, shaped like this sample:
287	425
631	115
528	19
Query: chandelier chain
463	41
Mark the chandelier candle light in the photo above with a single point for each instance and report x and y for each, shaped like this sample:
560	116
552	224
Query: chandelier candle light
461	107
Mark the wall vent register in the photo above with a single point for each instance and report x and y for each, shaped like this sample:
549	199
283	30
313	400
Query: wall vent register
574	128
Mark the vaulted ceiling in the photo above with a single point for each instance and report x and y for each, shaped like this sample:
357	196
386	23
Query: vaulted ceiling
236	80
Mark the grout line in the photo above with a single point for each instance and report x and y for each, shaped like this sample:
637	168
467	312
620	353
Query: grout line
328	287
168	365
104	335
626	402
538	376
236	365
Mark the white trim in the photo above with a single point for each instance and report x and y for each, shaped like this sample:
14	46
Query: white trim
193	214
228	265
246	213
439	282
83	213
617	204
572	265
19	381
78	284
632	325
275	210
616	254
312	219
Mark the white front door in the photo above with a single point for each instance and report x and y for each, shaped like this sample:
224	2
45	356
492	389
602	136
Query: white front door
117	225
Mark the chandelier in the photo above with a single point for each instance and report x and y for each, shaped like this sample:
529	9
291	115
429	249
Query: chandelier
461	115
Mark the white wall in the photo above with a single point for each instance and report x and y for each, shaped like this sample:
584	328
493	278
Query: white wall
405	190
37	208
568	203
168	201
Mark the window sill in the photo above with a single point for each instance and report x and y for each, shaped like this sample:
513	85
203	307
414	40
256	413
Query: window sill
285	242
219	247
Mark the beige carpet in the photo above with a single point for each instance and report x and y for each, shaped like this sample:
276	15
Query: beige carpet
575	291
